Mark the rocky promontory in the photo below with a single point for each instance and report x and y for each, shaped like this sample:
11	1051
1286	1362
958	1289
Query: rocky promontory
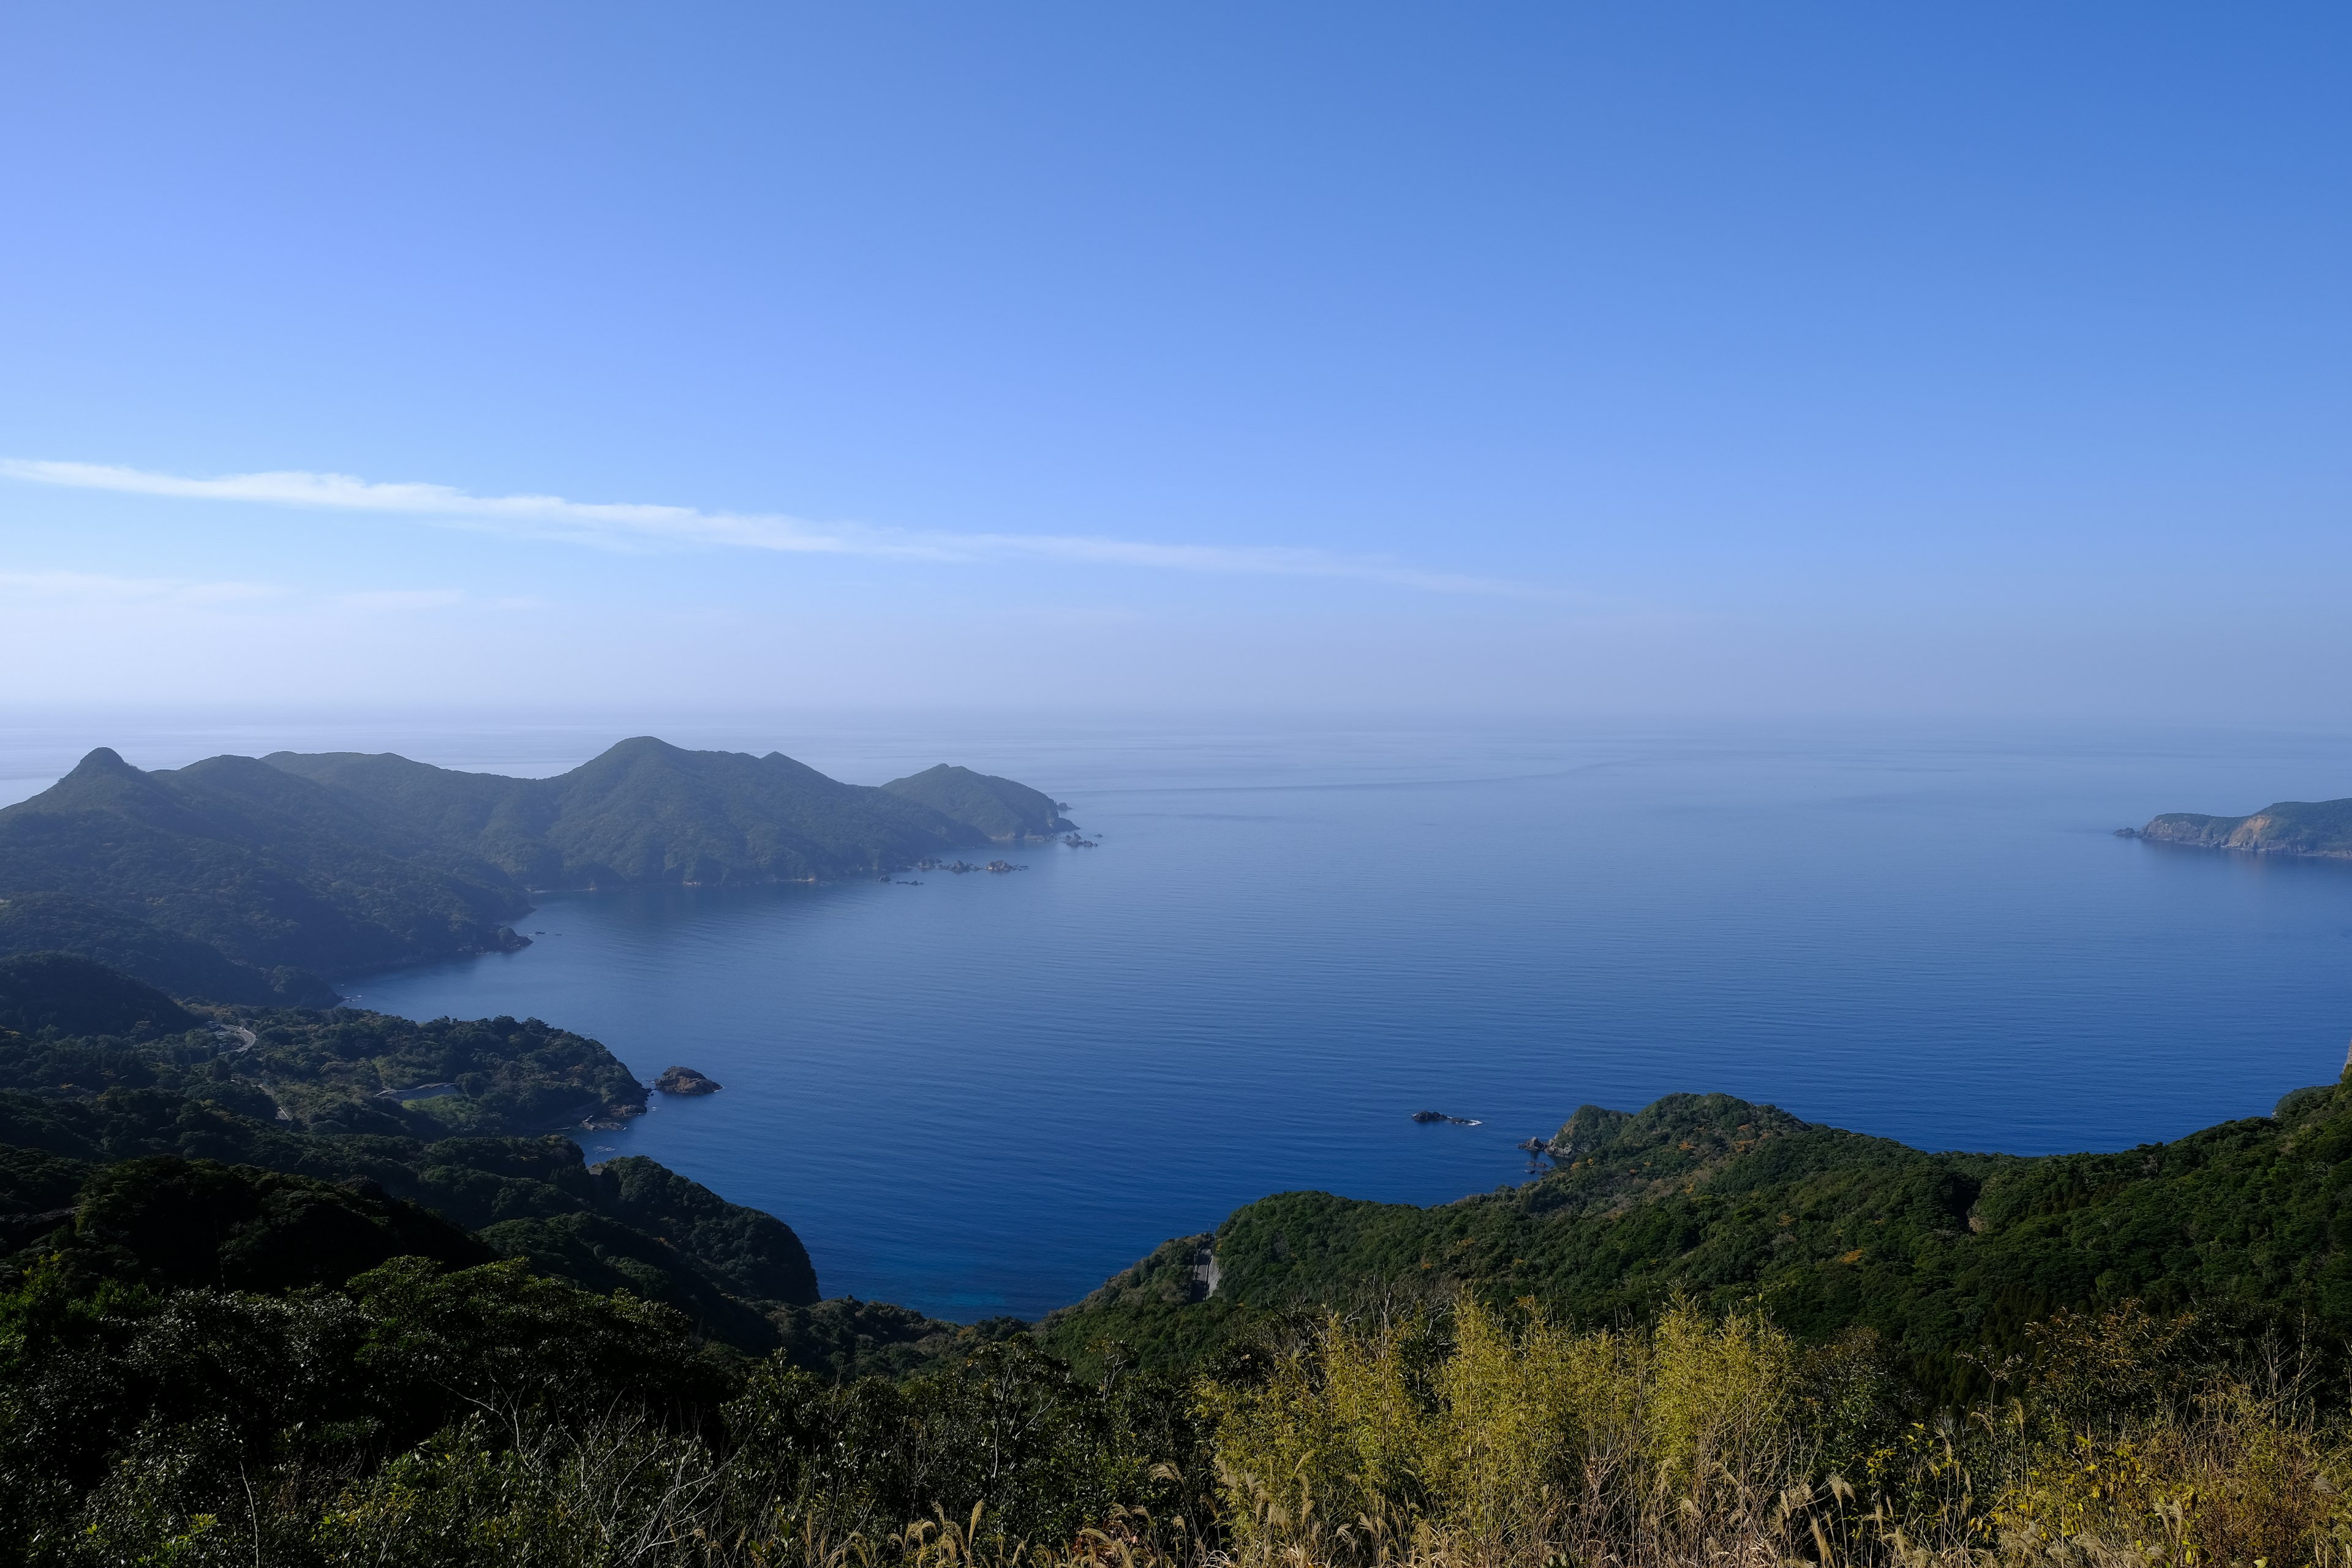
2288	828
686	1081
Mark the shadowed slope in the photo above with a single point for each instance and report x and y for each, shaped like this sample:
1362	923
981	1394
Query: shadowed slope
266	867
55	991
175	964
201	878
648	812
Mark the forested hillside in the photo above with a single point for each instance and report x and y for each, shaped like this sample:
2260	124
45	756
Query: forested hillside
252	1311
1943	1257
182	965
242	880
71	1027
998	808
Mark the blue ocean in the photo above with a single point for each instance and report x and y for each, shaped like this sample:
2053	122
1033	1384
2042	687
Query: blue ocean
982	1094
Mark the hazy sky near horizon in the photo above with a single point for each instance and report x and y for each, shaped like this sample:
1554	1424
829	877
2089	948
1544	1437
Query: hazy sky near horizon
1832	358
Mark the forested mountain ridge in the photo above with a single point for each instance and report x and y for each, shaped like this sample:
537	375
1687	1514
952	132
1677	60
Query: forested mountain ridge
240	880
267	867
1940	1255
2287	827
645	811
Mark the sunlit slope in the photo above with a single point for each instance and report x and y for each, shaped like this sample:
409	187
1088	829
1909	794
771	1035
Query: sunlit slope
1729	1202
2288	828
997	807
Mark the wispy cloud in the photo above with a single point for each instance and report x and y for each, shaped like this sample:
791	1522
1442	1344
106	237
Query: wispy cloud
624	526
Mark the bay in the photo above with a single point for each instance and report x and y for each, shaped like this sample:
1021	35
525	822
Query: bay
985	1093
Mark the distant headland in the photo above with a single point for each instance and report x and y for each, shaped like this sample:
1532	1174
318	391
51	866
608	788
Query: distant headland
2321	828
242	880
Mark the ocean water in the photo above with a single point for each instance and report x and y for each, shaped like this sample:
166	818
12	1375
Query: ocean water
984	1094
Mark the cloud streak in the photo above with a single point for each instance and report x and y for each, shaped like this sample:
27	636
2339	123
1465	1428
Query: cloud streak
628	525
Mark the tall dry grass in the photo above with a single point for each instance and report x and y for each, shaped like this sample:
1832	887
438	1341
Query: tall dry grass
1720	1441
1676	1443
1485	1443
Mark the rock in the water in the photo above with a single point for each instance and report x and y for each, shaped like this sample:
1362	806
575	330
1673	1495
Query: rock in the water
684	1080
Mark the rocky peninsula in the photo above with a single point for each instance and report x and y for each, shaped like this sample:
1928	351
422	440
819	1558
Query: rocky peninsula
2321	828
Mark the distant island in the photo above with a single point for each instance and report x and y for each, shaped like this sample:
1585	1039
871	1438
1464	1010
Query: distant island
242	880
2288	828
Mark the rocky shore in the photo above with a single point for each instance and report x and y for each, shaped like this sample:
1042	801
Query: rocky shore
2317	828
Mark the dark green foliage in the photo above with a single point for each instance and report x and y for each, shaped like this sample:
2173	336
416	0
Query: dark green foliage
501	1335
85	1377
846	1337
58	994
175	964
125	1413
1942	1256
754	1251
421	1415
513	1076
218	1321
998	808
341	1071
534	1199
1006	1428
648	1230
124	1124
73	1067
32	1181
168	1222
601	1254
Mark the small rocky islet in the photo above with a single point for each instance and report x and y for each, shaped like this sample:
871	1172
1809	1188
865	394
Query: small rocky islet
686	1081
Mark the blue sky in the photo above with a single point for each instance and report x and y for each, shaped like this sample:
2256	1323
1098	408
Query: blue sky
1677	358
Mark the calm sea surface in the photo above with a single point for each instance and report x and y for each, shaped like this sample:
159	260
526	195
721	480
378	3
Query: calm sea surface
983	1094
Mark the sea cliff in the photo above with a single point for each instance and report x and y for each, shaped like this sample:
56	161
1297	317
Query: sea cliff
2288	828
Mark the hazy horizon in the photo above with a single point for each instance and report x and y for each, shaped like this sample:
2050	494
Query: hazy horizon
1064	752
